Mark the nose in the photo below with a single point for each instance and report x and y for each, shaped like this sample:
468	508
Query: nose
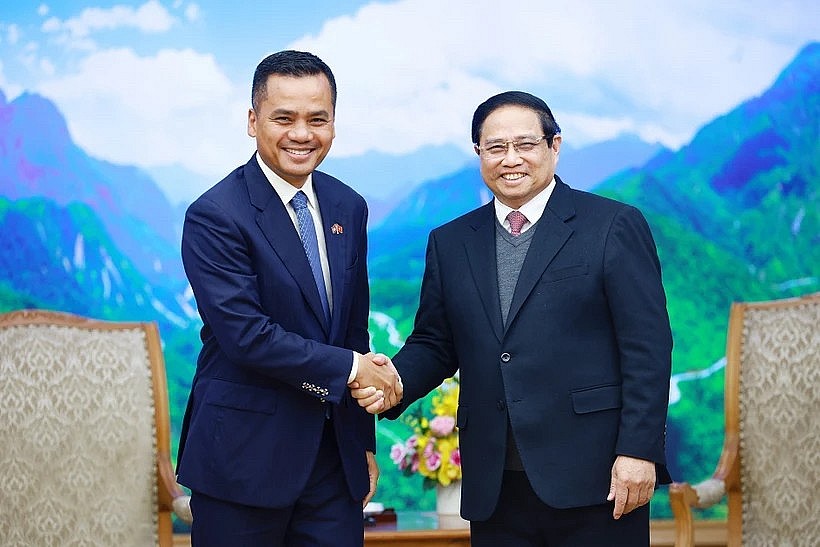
300	132
511	156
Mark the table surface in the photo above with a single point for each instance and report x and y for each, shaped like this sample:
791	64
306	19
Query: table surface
421	520
419	528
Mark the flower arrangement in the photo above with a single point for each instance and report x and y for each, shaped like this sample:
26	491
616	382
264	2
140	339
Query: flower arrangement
432	450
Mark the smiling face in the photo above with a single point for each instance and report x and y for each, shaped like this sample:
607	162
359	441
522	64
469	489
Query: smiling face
516	177
293	125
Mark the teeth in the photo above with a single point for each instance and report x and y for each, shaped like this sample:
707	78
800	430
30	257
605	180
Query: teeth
297	152
513	176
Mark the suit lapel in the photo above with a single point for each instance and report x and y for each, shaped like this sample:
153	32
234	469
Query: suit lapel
277	227
551	233
480	249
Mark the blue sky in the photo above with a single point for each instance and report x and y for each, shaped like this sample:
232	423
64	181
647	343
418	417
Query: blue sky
161	82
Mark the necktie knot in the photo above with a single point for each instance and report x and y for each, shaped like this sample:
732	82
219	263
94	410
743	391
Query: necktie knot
299	201
517	221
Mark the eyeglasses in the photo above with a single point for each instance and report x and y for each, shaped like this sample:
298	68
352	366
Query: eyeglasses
524	145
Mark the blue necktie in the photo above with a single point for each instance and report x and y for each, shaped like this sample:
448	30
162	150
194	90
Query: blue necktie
308	234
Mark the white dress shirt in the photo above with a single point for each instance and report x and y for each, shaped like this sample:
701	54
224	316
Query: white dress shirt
533	209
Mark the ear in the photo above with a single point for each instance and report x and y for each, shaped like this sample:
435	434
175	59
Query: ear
556	143
251	123
477	151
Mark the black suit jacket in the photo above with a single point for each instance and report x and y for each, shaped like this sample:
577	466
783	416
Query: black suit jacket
582	367
269	363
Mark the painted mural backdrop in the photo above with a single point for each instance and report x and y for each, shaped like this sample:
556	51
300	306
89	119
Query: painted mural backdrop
735	211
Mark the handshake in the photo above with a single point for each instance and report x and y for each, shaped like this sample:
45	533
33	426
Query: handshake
377	386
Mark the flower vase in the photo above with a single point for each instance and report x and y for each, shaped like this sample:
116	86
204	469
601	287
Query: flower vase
448	506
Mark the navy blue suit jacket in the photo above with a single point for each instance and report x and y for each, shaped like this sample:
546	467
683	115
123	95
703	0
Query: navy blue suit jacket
269	364
582	366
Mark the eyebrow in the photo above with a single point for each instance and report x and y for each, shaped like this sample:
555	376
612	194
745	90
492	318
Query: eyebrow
516	138
286	112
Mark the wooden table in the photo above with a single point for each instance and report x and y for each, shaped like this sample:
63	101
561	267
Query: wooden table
419	528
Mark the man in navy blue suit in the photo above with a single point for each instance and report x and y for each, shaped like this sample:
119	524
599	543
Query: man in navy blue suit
549	303
273	447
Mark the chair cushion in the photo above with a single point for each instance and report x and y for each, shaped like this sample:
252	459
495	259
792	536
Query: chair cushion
77	456
780	429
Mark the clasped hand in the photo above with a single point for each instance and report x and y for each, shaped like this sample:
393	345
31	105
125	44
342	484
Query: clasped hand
377	386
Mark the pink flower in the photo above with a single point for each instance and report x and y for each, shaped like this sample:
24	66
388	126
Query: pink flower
455	457
433	460
441	426
397	454
414	463
411	442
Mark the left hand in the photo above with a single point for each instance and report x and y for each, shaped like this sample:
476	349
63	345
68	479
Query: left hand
373	474
632	484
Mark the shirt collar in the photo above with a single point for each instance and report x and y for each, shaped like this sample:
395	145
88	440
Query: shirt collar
533	209
284	189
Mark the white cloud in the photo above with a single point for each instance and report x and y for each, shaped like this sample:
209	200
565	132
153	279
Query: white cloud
47	67
174	107
192	12
13	34
587	128
7	88
42	10
150	17
412	72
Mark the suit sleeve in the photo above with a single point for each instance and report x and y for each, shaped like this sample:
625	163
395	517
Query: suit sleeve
637	303
218	262
428	356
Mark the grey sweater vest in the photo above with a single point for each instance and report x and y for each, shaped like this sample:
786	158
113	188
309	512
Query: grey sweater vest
510	252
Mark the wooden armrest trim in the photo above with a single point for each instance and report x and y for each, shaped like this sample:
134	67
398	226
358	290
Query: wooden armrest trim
169	490
172	497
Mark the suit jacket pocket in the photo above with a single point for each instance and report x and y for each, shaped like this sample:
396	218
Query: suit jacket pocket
241	397
564	272
595	399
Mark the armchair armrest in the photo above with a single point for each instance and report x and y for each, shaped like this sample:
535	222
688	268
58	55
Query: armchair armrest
182	508
709	492
171	495
684	496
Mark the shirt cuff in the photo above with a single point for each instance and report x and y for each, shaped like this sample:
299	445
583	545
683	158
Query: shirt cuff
353	369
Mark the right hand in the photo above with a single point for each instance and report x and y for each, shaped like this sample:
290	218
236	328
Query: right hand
377	386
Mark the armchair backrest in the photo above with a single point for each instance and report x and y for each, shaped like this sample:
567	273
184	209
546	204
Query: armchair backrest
83	415
773	401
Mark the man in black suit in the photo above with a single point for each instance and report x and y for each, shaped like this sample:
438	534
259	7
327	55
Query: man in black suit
273	447
549	303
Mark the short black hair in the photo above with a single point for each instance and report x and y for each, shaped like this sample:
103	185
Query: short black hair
518	98
289	63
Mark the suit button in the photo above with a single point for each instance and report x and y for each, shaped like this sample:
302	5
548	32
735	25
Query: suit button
505	357
500	404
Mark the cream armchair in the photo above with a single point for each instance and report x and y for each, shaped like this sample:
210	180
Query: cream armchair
770	465
84	433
